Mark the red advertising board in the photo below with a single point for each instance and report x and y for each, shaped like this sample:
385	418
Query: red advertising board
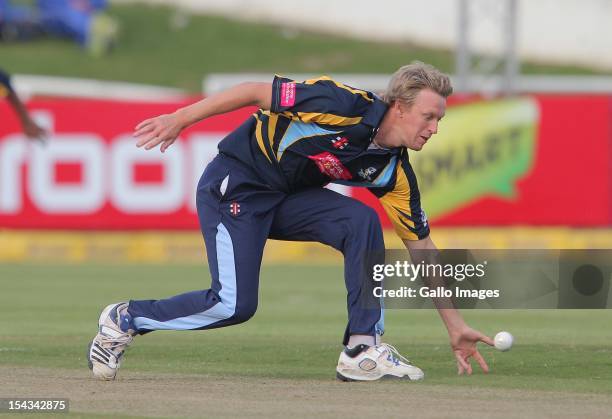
91	176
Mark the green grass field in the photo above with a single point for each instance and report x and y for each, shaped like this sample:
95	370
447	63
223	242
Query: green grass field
49	315
151	51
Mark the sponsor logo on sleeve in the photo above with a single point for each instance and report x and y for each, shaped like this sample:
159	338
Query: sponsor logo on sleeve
423	218
287	94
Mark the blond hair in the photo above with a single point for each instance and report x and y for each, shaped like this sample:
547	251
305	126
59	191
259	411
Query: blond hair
410	79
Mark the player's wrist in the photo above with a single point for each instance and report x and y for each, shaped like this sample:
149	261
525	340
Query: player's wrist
182	118
455	325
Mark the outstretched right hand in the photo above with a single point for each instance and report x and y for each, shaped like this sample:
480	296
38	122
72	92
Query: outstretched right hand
463	343
163	129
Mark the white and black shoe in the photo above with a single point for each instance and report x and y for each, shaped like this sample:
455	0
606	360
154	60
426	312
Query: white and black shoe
370	363
107	347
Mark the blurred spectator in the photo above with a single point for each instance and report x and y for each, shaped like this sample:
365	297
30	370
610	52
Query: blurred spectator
83	21
29	126
18	21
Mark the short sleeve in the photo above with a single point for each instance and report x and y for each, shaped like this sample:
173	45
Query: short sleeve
321	100
403	204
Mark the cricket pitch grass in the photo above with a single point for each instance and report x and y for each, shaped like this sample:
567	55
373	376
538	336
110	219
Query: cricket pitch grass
282	362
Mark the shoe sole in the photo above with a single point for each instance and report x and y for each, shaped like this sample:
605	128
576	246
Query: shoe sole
89	363
384	377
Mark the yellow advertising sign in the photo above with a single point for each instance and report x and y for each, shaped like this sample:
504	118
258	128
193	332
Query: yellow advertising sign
481	149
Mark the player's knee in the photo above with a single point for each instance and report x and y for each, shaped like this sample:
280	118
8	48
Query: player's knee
366	217
244	312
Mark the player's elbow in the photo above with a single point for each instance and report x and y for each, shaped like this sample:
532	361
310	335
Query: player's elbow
260	94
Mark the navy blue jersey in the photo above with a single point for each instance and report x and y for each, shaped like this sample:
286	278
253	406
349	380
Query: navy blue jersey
320	131
5	84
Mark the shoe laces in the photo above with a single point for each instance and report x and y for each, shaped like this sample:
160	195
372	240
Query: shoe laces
116	344
393	354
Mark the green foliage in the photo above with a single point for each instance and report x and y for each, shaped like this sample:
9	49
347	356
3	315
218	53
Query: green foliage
159	46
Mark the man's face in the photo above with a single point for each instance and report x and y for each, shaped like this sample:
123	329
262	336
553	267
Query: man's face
414	125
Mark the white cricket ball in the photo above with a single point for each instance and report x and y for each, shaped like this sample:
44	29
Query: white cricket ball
503	341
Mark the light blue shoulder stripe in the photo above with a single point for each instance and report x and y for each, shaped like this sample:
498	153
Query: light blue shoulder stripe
299	130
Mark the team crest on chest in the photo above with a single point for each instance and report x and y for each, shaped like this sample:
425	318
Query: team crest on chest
340	143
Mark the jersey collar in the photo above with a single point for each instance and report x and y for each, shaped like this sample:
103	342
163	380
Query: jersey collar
375	113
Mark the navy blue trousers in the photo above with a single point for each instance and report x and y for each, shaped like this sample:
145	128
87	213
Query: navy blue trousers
238	213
